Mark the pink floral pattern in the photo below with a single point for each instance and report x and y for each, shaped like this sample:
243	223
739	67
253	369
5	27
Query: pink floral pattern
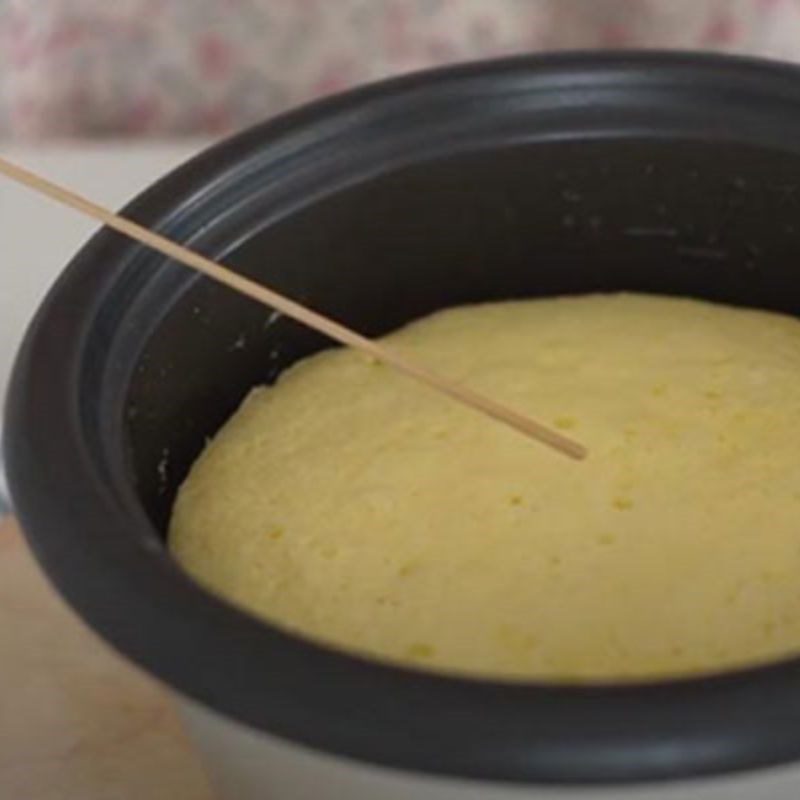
155	67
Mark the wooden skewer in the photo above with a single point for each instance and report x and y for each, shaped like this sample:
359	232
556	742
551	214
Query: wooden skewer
293	309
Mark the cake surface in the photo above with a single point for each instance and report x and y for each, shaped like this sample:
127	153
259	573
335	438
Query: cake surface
351	505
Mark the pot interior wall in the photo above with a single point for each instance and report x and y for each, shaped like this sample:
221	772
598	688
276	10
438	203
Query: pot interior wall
679	217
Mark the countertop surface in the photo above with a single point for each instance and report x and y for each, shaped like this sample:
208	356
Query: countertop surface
76	721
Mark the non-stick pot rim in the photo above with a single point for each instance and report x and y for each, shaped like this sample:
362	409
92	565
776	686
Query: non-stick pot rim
103	555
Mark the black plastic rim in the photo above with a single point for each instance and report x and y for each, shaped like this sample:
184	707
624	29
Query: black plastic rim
103	555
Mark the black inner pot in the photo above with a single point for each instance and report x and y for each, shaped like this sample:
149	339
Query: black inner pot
519	220
572	174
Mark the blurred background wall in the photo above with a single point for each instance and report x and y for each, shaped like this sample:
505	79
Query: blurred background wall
98	68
